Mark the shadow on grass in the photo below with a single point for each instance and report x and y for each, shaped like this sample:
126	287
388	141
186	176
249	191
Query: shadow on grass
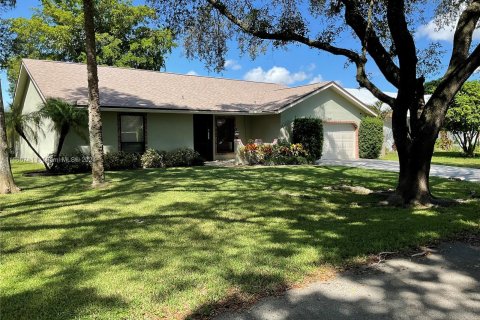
165	242
61	296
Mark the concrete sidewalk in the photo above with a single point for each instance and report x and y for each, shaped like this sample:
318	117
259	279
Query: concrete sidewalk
468	174
443	285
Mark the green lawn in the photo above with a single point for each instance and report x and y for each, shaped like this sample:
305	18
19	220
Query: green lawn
446	158
176	242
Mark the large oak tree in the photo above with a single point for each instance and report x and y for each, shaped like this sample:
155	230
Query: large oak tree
384	33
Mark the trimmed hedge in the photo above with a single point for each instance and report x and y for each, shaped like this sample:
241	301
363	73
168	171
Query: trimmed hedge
78	162
115	161
370	138
309	133
183	157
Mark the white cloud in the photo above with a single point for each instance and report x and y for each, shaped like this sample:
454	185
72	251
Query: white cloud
311	67
276	74
192	73
316	79
434	32
232	64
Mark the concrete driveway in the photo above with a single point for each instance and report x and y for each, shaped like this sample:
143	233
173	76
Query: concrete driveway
461	173
442	285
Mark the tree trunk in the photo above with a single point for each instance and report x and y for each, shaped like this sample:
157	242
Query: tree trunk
7	184
24	137
94	116
415	151
61	139
413	185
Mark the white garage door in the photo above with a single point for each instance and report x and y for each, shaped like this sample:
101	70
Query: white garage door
339	141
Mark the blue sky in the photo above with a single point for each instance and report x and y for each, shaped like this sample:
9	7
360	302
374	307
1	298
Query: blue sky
297	65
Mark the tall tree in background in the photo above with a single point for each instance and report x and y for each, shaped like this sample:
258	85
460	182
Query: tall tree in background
7	184
384	34
430	86
126	36
94	116
463	117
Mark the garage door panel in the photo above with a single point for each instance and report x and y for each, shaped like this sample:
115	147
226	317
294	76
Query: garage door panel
339	141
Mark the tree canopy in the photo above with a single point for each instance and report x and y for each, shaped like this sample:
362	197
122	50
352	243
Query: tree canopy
430	86
126	35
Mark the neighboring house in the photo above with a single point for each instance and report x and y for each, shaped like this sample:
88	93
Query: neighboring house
147	109
369	99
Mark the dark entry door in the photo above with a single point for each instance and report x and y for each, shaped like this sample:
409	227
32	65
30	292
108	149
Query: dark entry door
203	135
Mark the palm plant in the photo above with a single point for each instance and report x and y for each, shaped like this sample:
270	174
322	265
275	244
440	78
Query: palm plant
25	126
64	117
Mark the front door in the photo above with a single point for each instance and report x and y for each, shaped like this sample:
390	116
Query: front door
203	135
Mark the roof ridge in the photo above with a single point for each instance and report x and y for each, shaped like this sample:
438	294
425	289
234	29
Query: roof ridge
320	84
162	72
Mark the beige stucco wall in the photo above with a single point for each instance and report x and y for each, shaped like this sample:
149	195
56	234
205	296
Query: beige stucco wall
45	144
168	131
165	131
110	131
74	142
328	106
264	127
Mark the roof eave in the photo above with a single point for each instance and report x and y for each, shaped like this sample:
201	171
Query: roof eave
342	91
112	108
32	79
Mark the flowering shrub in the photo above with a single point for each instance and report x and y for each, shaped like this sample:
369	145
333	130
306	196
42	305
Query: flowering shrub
252	153
268	154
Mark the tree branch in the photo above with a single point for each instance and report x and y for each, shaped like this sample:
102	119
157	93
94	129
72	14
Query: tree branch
363	80
291	36
373	44
449	86
462	39
280	36
403	41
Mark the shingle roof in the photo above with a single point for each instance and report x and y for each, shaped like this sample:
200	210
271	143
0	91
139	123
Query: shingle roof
124	87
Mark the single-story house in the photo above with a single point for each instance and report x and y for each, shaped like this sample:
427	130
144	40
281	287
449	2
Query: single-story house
164	111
